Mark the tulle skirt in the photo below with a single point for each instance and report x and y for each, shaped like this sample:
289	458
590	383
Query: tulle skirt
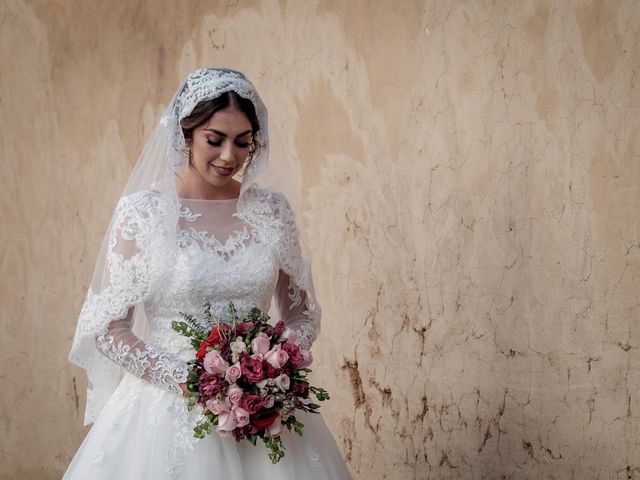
145	432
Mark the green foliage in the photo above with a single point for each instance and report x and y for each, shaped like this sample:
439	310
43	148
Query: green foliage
302	374
293	424
190	328
320	393
201	429
277	448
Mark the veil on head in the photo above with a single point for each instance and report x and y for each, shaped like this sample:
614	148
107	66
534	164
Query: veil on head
121	282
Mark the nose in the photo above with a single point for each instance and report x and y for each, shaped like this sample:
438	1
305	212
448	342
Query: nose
227	154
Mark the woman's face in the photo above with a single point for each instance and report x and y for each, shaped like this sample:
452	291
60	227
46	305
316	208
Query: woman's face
220	146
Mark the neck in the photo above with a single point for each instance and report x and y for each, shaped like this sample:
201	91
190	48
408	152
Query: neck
192	186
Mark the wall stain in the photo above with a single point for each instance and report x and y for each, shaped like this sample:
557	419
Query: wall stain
351	367
76	397
601	40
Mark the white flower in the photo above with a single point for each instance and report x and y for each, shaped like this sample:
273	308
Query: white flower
237	347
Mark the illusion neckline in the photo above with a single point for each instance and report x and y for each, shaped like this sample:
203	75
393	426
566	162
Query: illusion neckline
183	199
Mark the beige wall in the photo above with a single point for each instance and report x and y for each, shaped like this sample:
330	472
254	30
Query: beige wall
471	179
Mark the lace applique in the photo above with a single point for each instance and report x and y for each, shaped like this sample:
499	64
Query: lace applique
234	244
188	215
183	441
164	371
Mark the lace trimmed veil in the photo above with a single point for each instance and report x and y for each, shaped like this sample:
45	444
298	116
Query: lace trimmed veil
125	278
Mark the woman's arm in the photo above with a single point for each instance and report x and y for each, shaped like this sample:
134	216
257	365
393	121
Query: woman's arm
143	360
128	260
292	306
294	289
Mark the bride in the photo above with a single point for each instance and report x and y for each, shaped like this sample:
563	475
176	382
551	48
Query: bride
186	230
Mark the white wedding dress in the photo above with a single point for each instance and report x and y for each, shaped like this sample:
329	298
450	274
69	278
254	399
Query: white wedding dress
145	430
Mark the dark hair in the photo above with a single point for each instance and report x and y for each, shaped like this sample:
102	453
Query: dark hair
205	110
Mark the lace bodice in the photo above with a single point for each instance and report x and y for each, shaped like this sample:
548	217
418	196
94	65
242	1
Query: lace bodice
223	255
239	270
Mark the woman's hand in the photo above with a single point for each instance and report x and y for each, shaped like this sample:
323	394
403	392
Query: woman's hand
185	390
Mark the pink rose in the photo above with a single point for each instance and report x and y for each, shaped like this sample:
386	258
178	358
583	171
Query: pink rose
214	363
234	394
275	428
218	407
257	356
234	372
282	382
260	344
241	416
276	356
289	335
226	423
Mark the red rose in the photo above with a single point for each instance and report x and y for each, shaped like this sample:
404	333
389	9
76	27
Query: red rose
214	336
251	369
251	403
269	371
300	388
295	356
202	351
264	418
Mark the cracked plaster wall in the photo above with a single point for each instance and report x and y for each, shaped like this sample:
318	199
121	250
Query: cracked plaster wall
470	179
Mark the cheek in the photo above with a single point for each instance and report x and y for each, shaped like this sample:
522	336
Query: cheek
204	153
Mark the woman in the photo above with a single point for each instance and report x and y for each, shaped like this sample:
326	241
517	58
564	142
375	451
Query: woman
184	231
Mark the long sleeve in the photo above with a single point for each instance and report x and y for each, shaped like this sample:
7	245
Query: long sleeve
294	294
143	360
292	306
128	262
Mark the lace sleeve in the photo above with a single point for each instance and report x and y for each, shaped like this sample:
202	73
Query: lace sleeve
143	360
271	214
293	309
294	294
126	259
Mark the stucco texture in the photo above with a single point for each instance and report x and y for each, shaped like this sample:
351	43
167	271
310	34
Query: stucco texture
470	180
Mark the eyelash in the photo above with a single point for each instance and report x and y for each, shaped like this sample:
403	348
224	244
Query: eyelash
219	143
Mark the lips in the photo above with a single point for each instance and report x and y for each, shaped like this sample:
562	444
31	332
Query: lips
224	172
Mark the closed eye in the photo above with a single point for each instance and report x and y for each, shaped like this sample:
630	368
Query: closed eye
218	143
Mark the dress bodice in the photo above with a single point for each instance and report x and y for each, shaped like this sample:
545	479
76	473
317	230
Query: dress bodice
241	270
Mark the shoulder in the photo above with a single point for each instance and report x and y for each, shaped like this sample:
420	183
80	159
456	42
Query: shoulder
142	204
139	214
271	214
268	203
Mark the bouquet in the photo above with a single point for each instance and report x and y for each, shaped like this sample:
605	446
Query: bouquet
248	376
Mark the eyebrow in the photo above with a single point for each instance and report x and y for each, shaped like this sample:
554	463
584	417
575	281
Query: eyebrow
222	134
